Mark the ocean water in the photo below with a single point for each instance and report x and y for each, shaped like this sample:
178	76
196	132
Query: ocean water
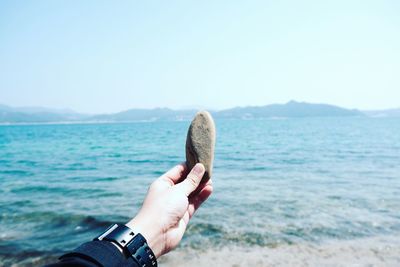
310	188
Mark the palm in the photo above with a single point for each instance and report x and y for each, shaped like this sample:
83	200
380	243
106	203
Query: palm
179	208
171	203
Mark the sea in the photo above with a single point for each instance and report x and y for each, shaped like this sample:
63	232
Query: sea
287	192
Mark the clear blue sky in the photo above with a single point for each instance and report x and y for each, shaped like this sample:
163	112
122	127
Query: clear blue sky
98	56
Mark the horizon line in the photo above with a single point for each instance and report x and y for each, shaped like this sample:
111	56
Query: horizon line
188	107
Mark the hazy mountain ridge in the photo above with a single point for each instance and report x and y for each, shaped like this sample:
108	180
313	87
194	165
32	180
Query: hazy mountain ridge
34	109
37	115
291	109
146	115
394	112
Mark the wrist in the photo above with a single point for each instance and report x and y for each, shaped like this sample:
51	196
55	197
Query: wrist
149	230
131	244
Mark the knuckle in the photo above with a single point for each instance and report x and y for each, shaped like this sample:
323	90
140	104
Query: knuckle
192	179
153	186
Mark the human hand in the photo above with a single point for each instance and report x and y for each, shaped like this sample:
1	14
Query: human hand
169	204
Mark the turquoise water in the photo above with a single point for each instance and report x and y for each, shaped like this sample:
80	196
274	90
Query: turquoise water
276	182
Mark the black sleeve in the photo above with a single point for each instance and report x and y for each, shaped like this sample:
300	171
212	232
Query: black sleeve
95	254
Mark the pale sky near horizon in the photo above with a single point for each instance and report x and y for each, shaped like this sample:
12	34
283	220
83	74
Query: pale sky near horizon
99	56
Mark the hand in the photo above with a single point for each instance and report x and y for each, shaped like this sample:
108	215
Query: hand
171	201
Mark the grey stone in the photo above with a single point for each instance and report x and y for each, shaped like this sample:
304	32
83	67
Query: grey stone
200	143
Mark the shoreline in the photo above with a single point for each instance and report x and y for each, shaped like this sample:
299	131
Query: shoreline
89	122
372	251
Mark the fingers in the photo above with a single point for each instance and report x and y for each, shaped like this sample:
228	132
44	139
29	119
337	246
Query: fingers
196	200
174	175
193	179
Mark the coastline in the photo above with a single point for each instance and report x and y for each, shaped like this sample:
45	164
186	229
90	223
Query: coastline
371	251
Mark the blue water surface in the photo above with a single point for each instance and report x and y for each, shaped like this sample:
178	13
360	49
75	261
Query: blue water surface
275	182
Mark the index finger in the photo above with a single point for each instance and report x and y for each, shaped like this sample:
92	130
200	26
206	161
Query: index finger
174	175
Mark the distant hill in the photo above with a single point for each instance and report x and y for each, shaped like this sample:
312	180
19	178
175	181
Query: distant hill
291	109
37	115
395	112
36	110
146	115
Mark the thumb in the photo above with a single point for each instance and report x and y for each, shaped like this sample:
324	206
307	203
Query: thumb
193	179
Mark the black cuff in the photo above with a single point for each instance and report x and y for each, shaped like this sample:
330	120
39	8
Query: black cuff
102	253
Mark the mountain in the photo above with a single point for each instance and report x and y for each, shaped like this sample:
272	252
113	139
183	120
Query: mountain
146	115
4	108
37	115
395	112
291	109
36	110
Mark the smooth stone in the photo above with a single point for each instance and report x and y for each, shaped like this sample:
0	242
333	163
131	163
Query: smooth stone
200	143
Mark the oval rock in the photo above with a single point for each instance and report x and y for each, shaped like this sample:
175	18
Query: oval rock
200	143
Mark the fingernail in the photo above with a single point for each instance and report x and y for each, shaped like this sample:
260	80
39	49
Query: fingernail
198	169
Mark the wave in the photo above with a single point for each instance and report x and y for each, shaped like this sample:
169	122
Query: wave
153	161
15	257
374	251
17	172
217	235
55	219
220	235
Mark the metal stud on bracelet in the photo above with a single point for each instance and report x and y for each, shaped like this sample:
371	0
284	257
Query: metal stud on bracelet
140	251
